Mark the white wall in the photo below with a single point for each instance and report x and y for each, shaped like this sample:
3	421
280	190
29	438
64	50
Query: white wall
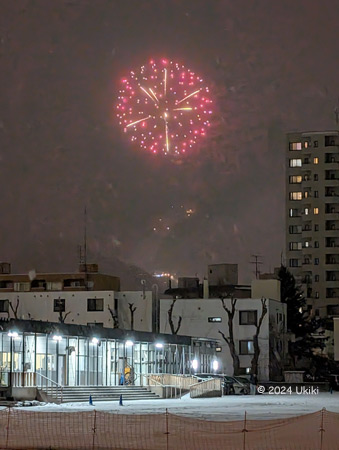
143	314
40	306
195	313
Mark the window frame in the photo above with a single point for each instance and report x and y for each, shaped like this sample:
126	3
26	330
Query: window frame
245	342
95	301
247	322
62	302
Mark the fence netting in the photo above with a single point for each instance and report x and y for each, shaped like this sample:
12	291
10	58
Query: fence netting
21	429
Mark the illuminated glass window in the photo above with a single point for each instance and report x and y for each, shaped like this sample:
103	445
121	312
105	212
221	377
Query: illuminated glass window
296	196
295	246
306	211
295	162
316	210
315	160
294	179
295	146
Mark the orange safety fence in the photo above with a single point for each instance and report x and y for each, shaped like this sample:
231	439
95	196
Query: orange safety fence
21	429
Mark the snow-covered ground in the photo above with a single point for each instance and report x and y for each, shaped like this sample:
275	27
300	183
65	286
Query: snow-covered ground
225	408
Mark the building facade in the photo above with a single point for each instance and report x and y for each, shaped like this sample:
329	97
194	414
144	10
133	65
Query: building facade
312	217
207	317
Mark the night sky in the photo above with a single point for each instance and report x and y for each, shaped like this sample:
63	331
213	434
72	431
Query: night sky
271	66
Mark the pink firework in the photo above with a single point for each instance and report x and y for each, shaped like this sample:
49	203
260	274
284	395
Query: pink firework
164	107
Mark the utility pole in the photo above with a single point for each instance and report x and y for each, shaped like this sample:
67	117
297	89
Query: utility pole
257	263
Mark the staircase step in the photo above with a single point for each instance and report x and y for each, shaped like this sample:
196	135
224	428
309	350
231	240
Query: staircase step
100	393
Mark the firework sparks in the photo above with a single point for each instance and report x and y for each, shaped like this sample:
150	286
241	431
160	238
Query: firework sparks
164	107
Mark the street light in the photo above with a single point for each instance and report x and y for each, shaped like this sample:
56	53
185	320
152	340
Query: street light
195	364
95	341
159	345
129	343
57	338
13	334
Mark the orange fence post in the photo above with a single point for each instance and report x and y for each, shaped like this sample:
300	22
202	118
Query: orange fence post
322	428
7	428
167	432
94	429
244	431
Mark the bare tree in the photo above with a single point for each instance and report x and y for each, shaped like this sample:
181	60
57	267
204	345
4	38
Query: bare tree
256	346
14	308
132	309
114	316
62	317
230	339
170	319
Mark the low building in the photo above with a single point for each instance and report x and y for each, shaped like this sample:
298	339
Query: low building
208	318
33	353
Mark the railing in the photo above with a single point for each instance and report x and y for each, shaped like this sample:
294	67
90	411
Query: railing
23	379
168	385
50	387
207	388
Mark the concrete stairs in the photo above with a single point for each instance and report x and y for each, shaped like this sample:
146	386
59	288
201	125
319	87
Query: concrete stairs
72	394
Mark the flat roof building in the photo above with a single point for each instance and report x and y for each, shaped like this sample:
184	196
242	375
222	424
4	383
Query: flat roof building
312	217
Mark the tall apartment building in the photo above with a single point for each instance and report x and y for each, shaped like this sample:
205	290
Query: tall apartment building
312	217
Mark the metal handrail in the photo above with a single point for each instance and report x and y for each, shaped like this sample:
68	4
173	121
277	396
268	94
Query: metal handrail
212	384
50	383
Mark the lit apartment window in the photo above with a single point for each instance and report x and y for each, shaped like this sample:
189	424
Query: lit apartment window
59	305
307	244
315	160
214	319
306	211
306	194
295	146
248	317
295	246
95	304
306	144
316	210
294	262
295	163
246	348
4	306
296	195
294	179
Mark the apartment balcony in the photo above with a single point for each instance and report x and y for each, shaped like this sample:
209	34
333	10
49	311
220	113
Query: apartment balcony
332	215
334	248
332	285
332	198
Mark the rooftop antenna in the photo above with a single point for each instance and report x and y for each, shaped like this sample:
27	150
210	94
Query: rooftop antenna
257	263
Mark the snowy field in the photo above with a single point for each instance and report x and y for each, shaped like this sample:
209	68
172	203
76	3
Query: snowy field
226	408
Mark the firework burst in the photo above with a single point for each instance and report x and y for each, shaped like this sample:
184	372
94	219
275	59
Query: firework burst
164	107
